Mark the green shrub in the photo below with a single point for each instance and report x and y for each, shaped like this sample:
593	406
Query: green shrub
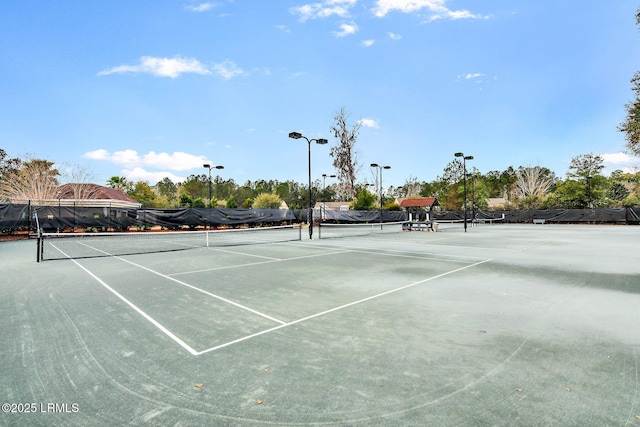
267	201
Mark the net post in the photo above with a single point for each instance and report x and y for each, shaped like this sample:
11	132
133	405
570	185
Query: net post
38	246
207	238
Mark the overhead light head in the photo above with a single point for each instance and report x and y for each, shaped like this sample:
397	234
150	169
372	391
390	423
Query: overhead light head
206	165
459	154
295	135
468	158
322	141
386	167
374	165
219	167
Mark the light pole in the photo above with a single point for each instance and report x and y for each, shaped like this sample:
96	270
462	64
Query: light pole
464	167
208	166
473	198
324	195
59	221
321	141
380	168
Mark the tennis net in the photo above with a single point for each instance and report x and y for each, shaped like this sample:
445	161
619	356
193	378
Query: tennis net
89	245
458	224
331	230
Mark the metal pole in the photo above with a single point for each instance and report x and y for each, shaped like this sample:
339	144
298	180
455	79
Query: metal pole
310	217
473	198
209	187
298	135
380	197
323	207
464	167
464	171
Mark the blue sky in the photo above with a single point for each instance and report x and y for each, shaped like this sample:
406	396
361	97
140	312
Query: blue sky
148	89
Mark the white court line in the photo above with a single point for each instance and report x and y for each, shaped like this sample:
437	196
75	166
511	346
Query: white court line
438	257
241	253
133	306
430	243
193	287
218	297
266	331
428	256
250	264
332	310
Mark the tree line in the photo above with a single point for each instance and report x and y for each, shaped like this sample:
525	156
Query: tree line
524	187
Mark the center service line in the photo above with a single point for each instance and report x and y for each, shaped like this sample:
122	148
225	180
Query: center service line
322	313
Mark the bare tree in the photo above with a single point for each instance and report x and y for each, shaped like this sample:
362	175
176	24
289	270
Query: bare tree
411	187
344	155
533	182
35	180
79	185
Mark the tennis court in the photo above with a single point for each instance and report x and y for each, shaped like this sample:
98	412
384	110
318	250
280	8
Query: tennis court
502	325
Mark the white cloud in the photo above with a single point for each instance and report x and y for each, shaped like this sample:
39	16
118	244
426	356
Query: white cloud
177	161
227	69
346	30
283	28
619	158
394	36
140	174
369	123
202	7
323	9
471	76
368	43
100	154
436	7
621	161
173	67
161	67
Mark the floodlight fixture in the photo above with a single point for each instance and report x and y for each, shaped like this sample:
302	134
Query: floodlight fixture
464	167
321	141
379	179
208	166
323	206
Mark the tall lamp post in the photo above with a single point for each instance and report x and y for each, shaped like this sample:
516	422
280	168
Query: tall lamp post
321	141
380	168
464	167
324	194
209	166
473	197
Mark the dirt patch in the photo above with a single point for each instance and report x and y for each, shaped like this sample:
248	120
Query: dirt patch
14	236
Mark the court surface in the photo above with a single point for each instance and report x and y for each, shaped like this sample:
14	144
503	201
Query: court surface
504	325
